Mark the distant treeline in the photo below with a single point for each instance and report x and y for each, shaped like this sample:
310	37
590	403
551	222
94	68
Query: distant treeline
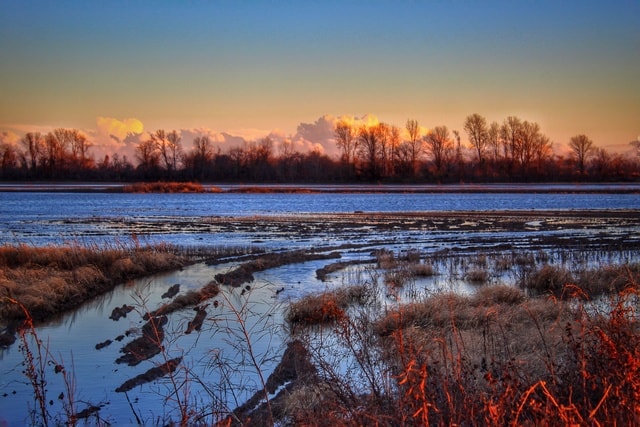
514	150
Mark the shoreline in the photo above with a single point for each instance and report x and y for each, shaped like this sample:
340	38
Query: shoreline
212	188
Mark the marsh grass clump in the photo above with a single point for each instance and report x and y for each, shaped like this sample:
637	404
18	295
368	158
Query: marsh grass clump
609	279
326	307
166	187
548	280
477	275
497	357
49	280
425	269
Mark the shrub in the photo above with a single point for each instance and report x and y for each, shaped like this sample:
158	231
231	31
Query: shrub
547	280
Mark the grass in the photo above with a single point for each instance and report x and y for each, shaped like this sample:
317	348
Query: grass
494	358
168	187
326	307
562	348
50	280
554	280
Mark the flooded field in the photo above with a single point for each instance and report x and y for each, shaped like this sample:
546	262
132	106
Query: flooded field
228	345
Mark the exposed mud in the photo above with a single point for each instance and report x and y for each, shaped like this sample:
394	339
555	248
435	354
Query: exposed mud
196	323
150	375
120	312
172	291
244	272
434	229
295	368
147	345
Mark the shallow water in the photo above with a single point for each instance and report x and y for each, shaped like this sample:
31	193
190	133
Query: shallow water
196	220
45	218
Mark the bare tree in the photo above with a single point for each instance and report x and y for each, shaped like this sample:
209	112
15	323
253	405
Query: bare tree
169	148
33	144
476	127
510	134
346	140
493	140
79	145
383	133
582	147
175	149
369	149
529	139
415	143
8	157
159	139
147	154
395	141
54	150
439	145
201	156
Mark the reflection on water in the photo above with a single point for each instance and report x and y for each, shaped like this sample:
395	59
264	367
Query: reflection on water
42	218
218	372
208	355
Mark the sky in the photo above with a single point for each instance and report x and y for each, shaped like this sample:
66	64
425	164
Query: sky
246	69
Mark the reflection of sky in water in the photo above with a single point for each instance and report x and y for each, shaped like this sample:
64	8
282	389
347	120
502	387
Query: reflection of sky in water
45	218
73	340
55	218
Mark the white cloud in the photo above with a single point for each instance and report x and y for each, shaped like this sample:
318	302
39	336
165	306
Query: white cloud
10	138
320	134
119	129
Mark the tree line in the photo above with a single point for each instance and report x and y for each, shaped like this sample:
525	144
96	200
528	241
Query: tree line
514	150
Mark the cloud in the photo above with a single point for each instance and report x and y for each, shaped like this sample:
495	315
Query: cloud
319	135
119	129
114	136
10	138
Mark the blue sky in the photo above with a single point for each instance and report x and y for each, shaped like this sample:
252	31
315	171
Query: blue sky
252	67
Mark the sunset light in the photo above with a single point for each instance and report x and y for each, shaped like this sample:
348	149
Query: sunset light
222	68
320	213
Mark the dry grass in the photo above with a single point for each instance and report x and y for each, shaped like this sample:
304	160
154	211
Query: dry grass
326	307
553	280
49	280
494	358
167	187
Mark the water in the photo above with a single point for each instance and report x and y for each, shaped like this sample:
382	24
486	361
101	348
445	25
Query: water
220	374
44	218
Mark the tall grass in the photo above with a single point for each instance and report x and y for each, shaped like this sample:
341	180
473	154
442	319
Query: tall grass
167	187
49	280
497	357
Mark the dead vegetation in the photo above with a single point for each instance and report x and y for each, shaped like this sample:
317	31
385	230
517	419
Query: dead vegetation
244	273
50	280
494	358
326	307
168	187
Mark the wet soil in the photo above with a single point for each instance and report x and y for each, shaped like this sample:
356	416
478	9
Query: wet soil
361	228
147	345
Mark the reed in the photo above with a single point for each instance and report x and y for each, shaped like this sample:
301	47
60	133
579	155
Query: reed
50	280
168	187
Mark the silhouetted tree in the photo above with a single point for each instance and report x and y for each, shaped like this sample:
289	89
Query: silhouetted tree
148	157
440	146
9	159
346	140
581	146
370	148
476	127
414	144
169	148
33	144
510	135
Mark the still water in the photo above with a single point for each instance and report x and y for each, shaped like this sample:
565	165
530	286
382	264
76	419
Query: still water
44	218
216	374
